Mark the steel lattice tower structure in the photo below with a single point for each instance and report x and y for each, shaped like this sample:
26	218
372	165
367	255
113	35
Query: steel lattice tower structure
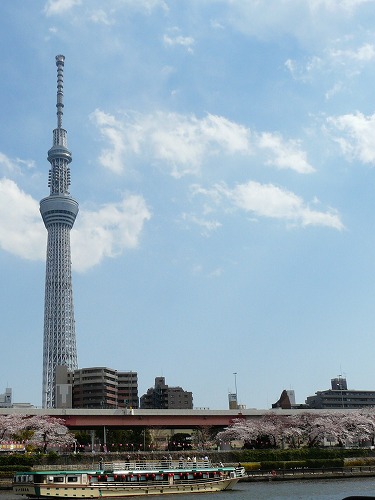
58	211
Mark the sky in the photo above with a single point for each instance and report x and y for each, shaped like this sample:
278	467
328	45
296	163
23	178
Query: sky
223	161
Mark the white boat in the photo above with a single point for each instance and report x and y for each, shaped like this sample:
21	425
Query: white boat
125	479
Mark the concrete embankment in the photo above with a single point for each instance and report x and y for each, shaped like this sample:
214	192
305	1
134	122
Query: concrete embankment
6	482
309	474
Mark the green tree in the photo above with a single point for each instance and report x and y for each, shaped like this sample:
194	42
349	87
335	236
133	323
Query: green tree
180	441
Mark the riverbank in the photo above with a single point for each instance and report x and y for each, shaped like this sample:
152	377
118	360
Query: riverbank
310	474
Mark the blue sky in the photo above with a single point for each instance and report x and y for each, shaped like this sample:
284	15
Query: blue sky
223	155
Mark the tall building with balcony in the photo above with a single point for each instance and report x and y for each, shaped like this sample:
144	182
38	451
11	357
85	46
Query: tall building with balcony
339	396
127	390
163	397
95	388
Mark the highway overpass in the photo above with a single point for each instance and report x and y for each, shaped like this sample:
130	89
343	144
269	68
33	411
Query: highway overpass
168	419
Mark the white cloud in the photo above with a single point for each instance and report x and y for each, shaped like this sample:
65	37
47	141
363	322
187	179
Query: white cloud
14	165
185	142
22	231
178	140
144	5
57	7
215	24
340	58
365	53
311	22
337	87
305	71
100	15
358	139
112	130
108	231
338	5
207	226
216	273
268	200
7	164
285	154
185	41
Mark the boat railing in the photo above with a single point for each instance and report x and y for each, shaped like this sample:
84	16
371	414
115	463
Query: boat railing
161	464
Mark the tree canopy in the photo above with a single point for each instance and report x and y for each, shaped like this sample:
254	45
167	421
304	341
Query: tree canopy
303	429
35	432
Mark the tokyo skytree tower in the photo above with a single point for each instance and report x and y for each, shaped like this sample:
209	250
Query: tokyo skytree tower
58	211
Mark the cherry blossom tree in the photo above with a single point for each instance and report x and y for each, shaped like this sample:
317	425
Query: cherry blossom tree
267	429
36	431
271	429
312	427
237	431
354	428
369	414
10	425
50	431
304	429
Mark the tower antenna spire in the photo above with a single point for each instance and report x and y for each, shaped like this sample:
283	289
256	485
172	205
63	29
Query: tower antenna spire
60	89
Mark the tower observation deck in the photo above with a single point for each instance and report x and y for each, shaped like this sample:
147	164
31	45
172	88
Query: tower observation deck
59	211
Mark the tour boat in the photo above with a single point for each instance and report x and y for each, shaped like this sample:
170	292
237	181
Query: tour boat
125	479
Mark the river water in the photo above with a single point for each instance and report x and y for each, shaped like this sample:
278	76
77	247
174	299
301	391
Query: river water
328	489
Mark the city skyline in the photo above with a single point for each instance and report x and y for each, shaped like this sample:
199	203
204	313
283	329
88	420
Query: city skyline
223	163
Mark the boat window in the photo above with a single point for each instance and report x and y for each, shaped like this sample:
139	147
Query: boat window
72	479
58	479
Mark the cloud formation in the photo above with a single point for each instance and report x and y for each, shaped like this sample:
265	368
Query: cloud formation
21	228
98	14
270	201
284	154
185	142
14	165
308	22
106	232
357	135
175	39
57	7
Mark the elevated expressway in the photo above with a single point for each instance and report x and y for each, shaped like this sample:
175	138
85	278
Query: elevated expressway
168	419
